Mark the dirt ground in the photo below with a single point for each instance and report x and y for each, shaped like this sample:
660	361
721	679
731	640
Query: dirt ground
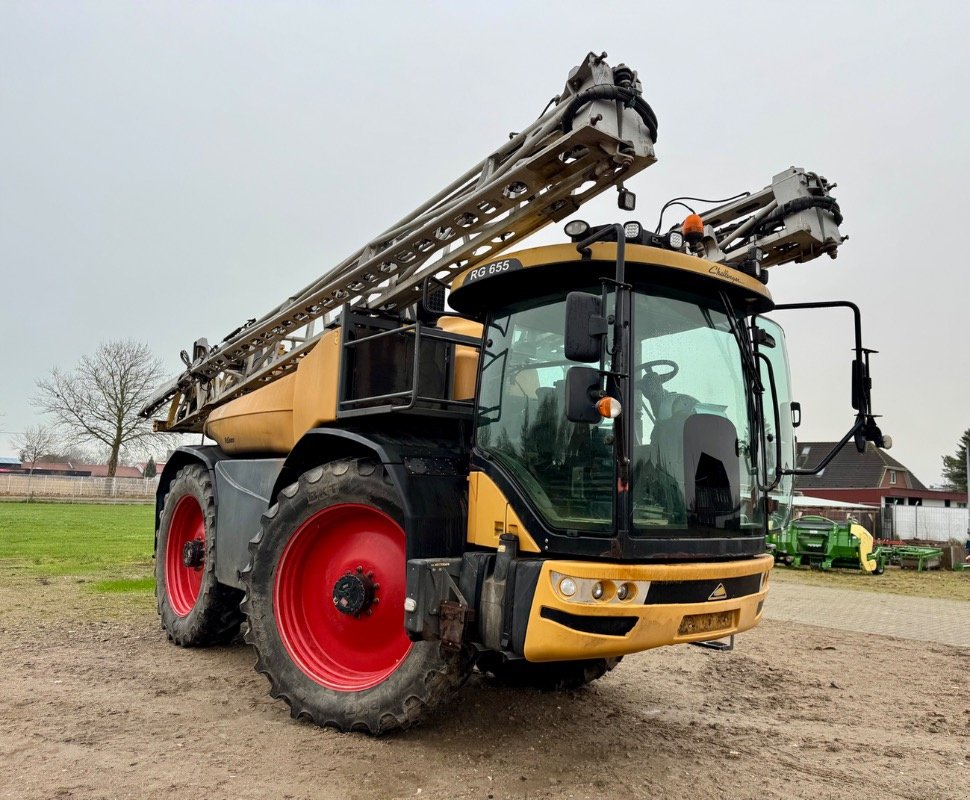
95	703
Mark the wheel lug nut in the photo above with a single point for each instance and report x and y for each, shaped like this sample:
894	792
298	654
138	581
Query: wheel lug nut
375	601
360	570
376	586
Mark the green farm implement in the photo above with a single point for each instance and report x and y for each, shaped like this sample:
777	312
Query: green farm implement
823	544
918	558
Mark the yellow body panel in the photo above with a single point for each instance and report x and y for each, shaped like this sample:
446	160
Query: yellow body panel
865	547
261	421
315	392
490	515
272	418
546	640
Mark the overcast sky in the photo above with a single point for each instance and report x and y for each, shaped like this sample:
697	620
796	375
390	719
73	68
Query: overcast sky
169	170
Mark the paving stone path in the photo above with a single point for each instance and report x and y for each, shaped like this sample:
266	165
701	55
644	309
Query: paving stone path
921	618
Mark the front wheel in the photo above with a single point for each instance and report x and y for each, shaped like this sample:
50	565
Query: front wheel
325	593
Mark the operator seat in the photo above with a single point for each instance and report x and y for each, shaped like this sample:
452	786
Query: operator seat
691	466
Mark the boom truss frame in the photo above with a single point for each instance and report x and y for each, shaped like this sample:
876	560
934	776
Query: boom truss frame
595	134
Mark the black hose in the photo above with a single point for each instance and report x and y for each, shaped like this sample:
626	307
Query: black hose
800	204
628	97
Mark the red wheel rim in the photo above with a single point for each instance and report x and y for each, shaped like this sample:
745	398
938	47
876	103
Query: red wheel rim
340	651
182	583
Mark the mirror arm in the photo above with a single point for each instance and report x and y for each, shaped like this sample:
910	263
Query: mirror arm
860	424
599	234
861	353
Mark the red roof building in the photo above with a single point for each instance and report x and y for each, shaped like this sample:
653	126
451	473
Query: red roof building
873	477
80	470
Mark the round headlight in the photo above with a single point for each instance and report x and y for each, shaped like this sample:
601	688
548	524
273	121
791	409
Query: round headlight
597	591
567	587
576	228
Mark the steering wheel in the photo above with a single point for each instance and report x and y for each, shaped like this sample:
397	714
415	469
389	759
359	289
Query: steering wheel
662	377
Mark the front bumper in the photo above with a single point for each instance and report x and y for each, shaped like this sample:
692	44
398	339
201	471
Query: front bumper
669	604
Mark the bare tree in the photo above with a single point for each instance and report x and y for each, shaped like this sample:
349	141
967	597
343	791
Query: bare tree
32	444
98	401
68	453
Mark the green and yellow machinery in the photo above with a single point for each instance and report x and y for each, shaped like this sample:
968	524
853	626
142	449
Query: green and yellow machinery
451	451
821	543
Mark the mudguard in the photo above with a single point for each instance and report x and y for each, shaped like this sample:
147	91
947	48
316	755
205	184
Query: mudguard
430	475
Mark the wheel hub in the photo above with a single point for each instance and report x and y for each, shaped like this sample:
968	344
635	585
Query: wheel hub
354	593
193	553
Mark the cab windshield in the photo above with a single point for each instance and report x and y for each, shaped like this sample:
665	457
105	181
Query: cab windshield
694	426
690	422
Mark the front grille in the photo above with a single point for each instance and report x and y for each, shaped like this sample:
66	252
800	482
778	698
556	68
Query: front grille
668	592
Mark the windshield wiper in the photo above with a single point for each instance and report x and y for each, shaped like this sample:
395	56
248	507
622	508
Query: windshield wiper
744	343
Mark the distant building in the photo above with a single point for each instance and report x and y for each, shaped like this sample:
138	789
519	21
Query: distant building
79	470
9	464
159	466
873	477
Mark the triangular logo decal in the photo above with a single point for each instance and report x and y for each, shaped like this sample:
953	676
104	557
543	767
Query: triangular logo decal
719	593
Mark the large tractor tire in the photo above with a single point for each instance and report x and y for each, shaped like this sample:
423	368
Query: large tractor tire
548	676
325	592
195	609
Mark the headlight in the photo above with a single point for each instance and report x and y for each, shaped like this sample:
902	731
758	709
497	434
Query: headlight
589	590
626	591
576	229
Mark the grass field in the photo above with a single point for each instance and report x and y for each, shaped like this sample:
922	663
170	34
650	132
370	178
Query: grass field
110	546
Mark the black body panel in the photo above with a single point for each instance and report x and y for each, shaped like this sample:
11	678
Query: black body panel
427	465
661	593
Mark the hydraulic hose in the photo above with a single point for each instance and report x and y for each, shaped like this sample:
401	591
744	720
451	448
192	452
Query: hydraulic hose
801	204
628	97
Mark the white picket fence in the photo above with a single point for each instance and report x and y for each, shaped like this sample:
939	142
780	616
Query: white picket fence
930	524
66	488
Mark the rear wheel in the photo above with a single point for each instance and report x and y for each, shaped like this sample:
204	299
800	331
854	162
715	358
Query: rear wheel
194	607
325	594
548	676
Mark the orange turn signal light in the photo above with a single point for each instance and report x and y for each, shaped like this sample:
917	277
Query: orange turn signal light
609	408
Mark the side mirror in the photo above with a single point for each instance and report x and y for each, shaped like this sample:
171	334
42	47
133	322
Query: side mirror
585	327
583	389
858	384
763	338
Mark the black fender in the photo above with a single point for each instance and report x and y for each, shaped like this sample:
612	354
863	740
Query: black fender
207	455
429	474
